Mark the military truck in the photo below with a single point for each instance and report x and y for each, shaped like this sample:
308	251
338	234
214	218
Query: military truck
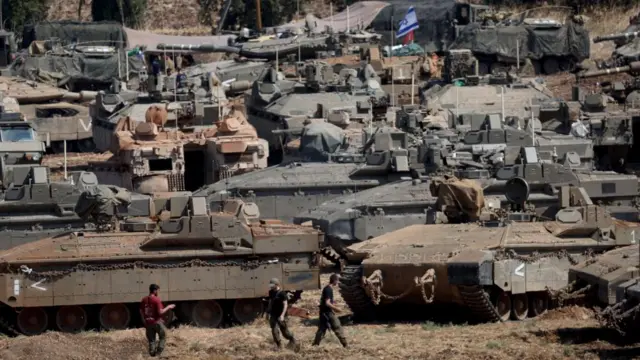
225	273
497	39
495	271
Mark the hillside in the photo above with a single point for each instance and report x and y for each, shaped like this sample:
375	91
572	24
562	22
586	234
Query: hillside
169	16
181	17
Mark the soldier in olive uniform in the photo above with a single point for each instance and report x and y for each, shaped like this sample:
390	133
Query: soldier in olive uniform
328	319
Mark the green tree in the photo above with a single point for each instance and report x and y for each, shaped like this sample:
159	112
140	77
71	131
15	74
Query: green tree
115	10
17	13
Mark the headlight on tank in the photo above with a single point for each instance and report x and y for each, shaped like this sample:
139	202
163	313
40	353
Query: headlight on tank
34	156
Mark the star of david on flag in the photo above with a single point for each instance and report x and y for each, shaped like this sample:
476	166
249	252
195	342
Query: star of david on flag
408	24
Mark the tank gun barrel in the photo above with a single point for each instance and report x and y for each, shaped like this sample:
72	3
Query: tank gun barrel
205	48
619	36
632	67
296	132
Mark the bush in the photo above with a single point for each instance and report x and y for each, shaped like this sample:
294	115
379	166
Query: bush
109	10
17	13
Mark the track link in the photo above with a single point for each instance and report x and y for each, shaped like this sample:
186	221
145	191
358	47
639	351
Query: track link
354	294
477	300
330	254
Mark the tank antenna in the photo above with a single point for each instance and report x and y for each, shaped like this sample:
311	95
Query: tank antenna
65	159
502	103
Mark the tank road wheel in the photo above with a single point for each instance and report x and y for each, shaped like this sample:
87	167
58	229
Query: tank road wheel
71	319
519	306
538	304
502	303
114	316
32	321
207	313
550	66
86	145
247	310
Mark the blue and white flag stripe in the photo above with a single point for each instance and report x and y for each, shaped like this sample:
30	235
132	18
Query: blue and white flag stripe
408	24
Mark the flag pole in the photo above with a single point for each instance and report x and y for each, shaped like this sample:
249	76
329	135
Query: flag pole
393	35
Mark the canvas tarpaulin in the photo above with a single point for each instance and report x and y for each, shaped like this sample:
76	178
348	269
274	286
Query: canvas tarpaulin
458	195
101	200
533	43
75	67
105	33
318	140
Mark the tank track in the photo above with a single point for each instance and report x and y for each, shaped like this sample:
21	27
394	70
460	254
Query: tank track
477	300
354	294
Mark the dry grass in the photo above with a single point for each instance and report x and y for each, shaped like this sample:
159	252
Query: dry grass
567	333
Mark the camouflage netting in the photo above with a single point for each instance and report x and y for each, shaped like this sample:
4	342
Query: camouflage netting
318	140
98	202
569	40
464	195
58	69
83	33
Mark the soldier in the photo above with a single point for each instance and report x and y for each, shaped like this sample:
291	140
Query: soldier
434	66
328	318
152	311
277	310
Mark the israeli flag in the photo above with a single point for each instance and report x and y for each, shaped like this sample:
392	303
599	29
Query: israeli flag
408	24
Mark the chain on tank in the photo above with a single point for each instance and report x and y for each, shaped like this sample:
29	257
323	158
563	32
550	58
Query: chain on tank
57	274
374	283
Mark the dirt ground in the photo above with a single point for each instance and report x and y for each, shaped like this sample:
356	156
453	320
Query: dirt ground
568	333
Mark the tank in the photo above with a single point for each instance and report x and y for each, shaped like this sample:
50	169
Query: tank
374	212
624	92
151	158
176	243
302	46
610	282
494	270
31	205
278	104
328	167
626	50
55	114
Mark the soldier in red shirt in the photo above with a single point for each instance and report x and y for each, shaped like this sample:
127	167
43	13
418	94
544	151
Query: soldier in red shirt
151	311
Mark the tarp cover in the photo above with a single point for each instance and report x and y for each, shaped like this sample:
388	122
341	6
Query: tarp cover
75	67
109	34
105	33
318	140
535	43
100	201
464	195
361	13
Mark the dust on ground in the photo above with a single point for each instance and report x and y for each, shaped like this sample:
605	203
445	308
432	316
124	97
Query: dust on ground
567	333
